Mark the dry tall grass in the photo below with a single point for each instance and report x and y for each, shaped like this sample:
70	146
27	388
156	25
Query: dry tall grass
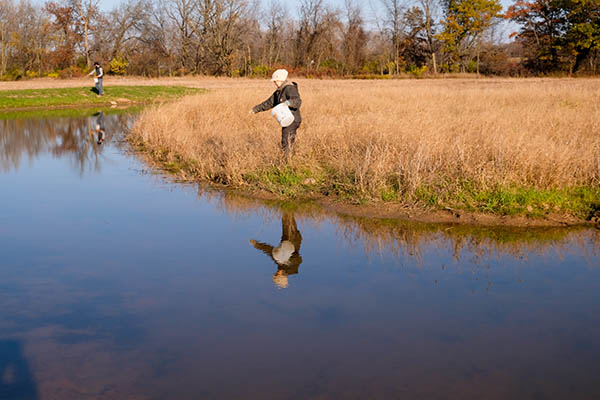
539	133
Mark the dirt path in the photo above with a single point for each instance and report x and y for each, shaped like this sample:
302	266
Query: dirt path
194	82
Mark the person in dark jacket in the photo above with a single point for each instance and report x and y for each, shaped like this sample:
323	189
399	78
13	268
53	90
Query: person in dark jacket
287	255
287	92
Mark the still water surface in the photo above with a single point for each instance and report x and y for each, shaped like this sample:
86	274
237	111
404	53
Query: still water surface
118	284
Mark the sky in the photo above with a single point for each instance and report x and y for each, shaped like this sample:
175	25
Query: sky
292	4
108	4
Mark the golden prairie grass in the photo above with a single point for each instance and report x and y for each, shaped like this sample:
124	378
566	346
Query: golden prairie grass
391	139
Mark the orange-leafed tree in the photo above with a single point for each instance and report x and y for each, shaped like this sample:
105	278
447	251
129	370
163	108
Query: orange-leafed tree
67	34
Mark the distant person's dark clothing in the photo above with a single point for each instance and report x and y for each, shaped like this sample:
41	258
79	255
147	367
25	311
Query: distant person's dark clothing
286	93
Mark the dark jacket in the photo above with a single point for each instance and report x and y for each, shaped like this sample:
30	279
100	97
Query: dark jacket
287	91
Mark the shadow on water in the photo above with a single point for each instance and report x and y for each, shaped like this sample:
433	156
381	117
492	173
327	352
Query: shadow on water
16	379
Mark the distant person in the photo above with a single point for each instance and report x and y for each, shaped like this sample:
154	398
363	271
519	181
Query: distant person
100	129
287	254
287	92
98	73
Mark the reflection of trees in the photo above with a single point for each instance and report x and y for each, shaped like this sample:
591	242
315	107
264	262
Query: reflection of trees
411	240
477	242
61	137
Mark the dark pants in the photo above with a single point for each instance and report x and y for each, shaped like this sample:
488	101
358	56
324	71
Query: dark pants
99	88
288	136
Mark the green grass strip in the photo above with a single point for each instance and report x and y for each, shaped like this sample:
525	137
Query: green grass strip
42	98
583	202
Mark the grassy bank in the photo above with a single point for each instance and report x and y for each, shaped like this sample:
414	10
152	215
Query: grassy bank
509	147
82	97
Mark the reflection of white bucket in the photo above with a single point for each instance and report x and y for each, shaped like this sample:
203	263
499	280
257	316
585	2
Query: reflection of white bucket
283	252
283	115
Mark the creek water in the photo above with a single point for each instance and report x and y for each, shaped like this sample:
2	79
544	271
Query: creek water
117	283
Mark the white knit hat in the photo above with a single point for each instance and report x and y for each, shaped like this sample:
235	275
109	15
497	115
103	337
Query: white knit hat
279	75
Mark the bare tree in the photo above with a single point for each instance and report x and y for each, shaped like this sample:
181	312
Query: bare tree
275	22
7	19
310	27
126	23
354	37
392	25
85	11
429	10
221	32
183	14
28	38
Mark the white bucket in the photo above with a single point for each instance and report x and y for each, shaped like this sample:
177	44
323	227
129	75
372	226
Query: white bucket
283	115
95	80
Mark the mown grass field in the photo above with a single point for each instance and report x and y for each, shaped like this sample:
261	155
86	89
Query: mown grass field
84	96
501	146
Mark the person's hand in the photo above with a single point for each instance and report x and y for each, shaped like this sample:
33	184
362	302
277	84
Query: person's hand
253	242
251	111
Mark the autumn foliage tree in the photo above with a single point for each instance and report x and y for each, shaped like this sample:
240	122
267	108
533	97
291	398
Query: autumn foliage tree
558	35
542	22
466	21
583	33
66	33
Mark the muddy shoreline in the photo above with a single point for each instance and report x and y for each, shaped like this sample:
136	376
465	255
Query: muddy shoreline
379	210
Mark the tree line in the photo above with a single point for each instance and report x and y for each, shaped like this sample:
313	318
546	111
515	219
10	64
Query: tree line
315	38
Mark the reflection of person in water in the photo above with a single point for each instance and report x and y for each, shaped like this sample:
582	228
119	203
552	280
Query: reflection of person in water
100	126
287	254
